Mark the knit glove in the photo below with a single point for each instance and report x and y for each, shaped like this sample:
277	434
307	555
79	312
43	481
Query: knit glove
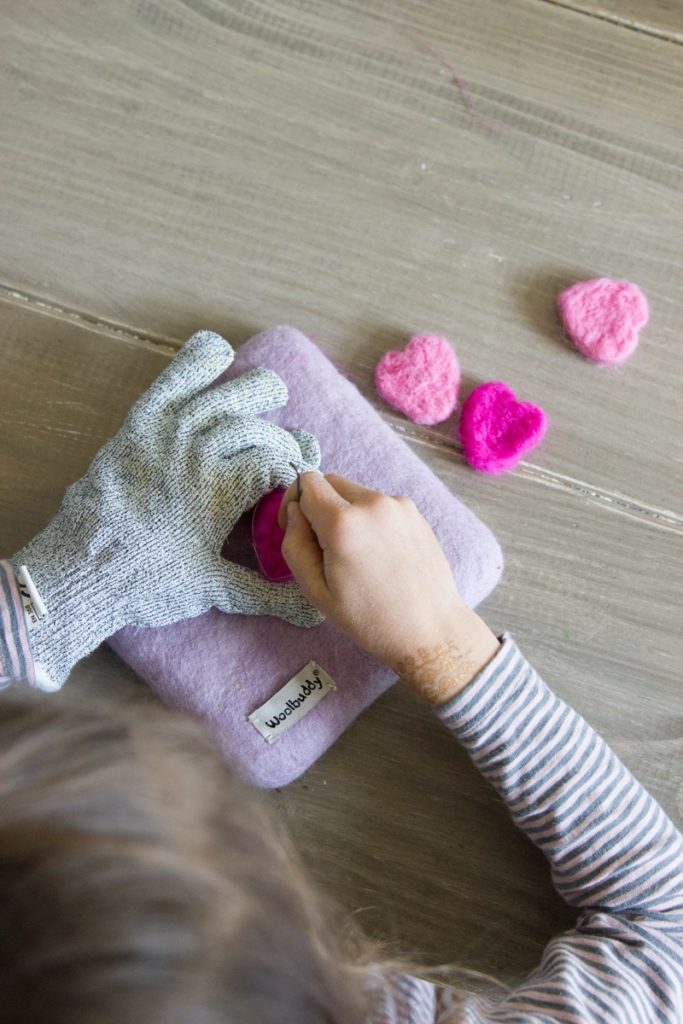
137	539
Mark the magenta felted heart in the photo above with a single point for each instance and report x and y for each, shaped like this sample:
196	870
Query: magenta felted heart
603	317
267	536
496	430
422	382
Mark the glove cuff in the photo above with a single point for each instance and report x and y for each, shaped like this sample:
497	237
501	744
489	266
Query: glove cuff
81	606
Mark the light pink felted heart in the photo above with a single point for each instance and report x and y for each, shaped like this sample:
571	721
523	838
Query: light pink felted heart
603	317
496	430
422	382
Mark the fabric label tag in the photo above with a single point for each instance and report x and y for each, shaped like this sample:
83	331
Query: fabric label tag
296	698
34	609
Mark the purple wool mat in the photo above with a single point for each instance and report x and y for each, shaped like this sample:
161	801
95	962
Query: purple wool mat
222	667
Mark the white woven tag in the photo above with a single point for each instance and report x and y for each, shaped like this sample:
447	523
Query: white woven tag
296	698
32	602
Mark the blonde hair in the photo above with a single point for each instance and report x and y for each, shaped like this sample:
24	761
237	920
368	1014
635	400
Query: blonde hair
140	879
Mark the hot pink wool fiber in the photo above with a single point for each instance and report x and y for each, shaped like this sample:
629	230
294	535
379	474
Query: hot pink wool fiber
267	537
603	317
496	430
422	382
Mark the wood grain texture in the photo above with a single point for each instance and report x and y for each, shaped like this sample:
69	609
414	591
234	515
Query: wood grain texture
394	819
177	165
171	165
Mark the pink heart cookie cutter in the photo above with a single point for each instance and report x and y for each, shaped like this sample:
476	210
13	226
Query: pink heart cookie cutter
267	536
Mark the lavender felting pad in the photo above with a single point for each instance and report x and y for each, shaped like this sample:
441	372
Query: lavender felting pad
222	667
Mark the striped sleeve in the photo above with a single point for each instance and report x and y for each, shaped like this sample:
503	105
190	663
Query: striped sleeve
400	998
613	852
16	660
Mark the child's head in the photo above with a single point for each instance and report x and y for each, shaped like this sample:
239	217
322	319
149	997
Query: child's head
141	881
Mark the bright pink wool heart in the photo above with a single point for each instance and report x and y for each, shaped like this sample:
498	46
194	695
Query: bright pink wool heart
421	382
496	430
603	317
267	537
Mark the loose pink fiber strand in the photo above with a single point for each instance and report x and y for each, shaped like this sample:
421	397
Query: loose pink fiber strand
422	43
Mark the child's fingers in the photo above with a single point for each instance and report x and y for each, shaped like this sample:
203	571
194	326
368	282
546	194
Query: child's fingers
349	489
320	495
289	495
318	500
303	555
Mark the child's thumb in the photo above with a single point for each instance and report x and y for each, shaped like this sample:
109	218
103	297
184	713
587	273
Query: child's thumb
302	553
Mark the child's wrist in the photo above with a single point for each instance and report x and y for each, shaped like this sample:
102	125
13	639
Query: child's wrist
439	670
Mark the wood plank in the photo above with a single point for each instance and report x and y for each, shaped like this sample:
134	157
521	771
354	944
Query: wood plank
230	166
394	819
64	390
660	17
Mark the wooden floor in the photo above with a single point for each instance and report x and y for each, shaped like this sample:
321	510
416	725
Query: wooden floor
171	165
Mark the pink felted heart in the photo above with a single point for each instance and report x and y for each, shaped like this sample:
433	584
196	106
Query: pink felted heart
496	430
422	382
603	317
267	537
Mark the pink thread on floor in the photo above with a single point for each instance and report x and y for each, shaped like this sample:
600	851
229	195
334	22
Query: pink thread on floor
421	382
603	318
496	430
424	44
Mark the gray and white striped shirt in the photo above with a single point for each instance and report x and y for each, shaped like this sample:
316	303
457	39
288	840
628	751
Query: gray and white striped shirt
613	852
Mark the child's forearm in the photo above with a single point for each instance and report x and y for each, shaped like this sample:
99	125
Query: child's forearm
611	848
609	843
440	672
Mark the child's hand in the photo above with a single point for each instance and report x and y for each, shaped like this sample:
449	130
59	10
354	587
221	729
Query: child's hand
372	565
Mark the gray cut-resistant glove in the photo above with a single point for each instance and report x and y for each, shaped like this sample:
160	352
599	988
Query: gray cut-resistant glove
137	540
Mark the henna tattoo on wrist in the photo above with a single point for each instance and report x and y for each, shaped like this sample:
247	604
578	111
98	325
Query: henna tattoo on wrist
437	672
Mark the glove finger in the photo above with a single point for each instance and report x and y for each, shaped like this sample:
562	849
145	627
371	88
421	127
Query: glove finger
224	439
310	448
256	391
231	492
229	486
235	588
201	359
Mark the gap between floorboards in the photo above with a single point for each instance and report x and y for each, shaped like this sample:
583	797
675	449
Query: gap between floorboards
667	35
